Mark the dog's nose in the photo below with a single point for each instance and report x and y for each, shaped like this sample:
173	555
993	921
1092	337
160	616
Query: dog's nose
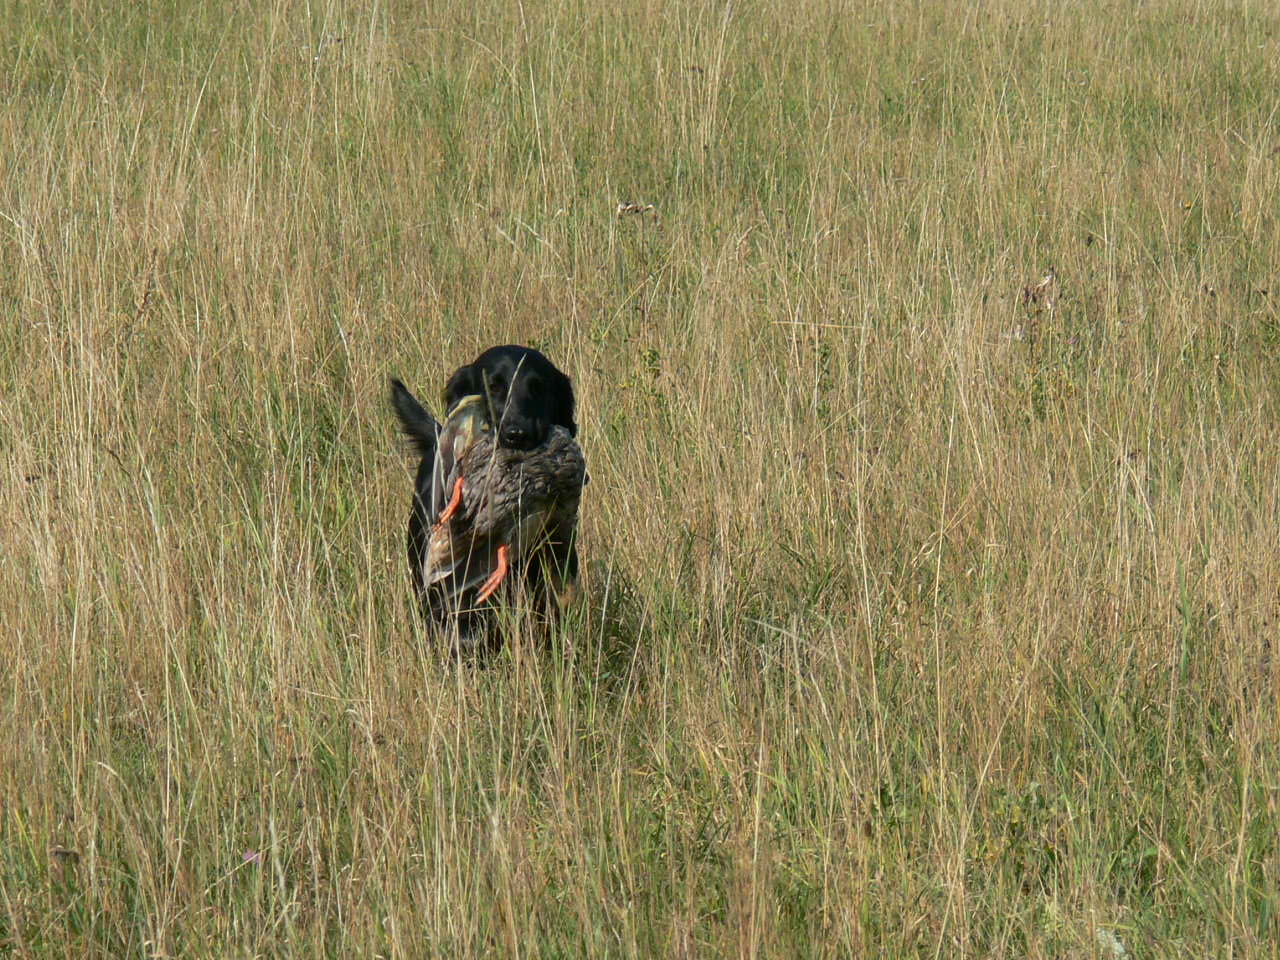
515	437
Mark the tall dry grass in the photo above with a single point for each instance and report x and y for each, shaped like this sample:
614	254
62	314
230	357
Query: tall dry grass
929	610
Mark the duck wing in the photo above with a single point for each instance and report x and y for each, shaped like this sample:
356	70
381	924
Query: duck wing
466	423
460	554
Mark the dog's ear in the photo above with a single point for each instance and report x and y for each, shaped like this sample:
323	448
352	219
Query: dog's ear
417	424
564	401
465	382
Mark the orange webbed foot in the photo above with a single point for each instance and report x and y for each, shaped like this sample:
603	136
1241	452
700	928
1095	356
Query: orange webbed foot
454	504
490	586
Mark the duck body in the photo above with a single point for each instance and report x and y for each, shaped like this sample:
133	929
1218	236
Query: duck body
501	516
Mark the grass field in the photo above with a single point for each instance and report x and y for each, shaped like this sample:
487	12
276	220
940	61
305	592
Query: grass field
929	610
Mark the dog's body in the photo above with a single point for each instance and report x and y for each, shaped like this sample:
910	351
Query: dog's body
527	397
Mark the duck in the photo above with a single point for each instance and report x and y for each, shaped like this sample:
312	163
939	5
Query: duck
501	514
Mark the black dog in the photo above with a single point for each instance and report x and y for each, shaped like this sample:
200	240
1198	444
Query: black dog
527	396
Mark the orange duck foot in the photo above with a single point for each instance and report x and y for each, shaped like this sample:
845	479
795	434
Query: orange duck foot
490	586
454	503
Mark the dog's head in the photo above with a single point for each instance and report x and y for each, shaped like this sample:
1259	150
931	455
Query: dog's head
527	394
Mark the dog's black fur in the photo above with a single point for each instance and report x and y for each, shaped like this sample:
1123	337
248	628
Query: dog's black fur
527	396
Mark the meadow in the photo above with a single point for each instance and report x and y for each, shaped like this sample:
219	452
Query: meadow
927	368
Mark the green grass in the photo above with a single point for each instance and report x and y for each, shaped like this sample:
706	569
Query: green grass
925	613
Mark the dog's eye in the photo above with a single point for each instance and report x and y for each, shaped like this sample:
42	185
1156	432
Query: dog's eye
533	386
